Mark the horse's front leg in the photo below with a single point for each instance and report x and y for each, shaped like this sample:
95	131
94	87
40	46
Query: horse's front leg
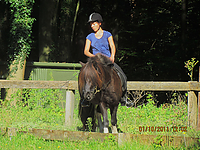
113	112
105	116
98	116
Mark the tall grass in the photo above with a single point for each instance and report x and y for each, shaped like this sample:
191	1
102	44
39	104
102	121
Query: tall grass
168	117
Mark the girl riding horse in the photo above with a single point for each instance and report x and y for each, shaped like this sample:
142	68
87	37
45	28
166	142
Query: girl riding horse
101	41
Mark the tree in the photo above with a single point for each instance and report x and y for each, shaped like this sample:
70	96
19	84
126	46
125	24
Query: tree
47	28
4	30
153	37
20	37
184	23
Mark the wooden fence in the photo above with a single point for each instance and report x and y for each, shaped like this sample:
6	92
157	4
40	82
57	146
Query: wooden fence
192	87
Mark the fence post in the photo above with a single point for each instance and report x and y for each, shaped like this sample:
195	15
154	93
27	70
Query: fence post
198	119
69	108
192	109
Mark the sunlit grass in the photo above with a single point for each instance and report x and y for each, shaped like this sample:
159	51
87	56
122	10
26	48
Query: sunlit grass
29	142
130	120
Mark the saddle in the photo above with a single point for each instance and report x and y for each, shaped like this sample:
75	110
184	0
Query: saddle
121	75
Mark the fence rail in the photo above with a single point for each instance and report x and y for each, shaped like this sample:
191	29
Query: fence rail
33	84
131	85
191	87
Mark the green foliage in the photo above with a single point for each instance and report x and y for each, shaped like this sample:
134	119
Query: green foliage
149	115
36	108
36	98
158	142
110	140
148	34
89	124
43	109
190	64
148	41
31	112
20	31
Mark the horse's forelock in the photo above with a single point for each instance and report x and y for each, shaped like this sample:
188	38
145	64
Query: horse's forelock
97	70
90	72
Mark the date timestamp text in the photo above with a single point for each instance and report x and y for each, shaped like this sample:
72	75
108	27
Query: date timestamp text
161	129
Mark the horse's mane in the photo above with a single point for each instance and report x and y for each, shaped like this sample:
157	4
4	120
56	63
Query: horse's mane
103	59
97	69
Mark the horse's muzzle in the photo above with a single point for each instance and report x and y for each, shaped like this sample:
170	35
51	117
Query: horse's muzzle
88	96
85	103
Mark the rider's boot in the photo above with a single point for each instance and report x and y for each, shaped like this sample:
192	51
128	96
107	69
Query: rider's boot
124	100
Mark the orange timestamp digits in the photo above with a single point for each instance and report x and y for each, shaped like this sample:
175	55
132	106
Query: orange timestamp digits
176	129
161	129
153	129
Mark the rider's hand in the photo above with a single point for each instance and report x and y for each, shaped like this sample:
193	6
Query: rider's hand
112	58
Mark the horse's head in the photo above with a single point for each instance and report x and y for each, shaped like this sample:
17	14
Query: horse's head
93	76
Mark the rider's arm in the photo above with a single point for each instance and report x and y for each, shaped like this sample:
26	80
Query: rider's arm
87	48
112	47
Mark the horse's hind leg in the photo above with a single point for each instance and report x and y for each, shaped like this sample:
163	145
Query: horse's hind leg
113	112
105	117
100	123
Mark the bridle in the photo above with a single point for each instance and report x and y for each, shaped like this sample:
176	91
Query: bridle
96	90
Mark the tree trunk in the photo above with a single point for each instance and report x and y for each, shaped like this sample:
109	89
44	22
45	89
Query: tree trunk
74	23
18	75
184	28
47	27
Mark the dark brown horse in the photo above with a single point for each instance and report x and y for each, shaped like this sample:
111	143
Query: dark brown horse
99	87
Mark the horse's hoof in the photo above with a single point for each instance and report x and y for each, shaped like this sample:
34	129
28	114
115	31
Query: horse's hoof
114	129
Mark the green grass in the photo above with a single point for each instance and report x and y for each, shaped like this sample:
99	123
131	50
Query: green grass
30	142
26	142
147	116
42	110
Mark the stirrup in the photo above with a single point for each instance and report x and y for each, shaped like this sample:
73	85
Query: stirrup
124	101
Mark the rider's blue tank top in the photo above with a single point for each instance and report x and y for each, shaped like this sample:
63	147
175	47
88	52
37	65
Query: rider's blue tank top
100	45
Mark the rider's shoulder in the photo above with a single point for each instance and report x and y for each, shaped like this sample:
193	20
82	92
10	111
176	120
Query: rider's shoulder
89	36
108	34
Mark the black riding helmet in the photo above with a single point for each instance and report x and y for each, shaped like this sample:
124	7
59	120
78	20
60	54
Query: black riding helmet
95	17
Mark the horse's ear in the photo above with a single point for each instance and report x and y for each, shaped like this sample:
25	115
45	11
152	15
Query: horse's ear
82	64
